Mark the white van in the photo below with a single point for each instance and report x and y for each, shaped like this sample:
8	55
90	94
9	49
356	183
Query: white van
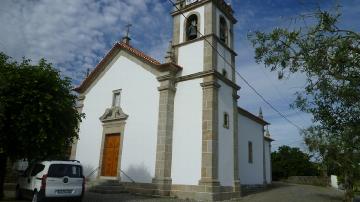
52	179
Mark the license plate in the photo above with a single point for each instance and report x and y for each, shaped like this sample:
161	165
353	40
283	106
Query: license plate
64	191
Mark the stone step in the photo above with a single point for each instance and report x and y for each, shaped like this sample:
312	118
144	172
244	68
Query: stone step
106	191
108	187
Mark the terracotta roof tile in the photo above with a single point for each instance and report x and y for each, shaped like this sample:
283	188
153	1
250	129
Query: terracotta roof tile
111	54
138	53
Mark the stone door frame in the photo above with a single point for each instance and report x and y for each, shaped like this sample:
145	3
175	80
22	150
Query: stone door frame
113	122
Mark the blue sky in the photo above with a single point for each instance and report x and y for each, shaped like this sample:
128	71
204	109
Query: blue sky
76	34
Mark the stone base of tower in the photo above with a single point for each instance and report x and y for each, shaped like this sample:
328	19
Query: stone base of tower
193	192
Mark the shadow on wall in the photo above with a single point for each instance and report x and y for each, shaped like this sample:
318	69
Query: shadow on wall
138	173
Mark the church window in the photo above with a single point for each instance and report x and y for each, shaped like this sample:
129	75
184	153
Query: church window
250	152
223	30
226	120
116	98
192	27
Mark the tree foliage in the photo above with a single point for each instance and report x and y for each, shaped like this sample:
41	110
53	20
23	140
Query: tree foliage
38	118
288	161
329	56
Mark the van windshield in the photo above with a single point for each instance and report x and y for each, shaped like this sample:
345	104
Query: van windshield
62	170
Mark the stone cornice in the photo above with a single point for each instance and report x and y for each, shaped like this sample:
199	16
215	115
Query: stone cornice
207	73
194	76
113	114
165	77
227	11
168	87
210	84
203	38
226	80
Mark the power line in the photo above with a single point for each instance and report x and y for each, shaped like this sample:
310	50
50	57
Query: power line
279	93
242	78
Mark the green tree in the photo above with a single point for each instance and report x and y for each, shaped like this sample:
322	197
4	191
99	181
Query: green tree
288	161
329	56
38	118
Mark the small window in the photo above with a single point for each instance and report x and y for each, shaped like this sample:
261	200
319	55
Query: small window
37	169
224	73
116	98
226	120
250	148
192	27
224	30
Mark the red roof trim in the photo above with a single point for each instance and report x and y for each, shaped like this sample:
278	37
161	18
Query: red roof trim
111	54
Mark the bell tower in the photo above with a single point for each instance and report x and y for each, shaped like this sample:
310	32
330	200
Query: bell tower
203	43
208	24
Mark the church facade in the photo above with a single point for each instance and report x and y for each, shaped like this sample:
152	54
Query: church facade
174	128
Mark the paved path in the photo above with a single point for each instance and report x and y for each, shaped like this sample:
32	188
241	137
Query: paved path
280	192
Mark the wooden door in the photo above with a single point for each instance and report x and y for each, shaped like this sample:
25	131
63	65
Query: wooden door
110	155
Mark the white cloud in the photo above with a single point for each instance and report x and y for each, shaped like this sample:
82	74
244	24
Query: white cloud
72	34
76	34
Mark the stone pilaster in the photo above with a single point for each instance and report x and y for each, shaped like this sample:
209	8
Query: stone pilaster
210	54
209	154
237	185
79	108
165	135
176	30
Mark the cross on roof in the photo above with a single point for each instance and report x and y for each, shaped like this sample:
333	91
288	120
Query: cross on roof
128	29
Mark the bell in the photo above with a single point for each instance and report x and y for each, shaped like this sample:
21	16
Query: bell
192	32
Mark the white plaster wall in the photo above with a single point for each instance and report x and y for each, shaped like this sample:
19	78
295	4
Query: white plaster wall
191	57
140	100
187	133
268	161
224	63
226	137
249	130
201	11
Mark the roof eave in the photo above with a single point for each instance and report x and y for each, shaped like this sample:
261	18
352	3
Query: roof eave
252	116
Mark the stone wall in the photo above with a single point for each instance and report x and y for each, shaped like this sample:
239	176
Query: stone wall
311	180
187	192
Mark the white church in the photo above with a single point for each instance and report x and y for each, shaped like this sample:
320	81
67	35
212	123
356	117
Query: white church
175	128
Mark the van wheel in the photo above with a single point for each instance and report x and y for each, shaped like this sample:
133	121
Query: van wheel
37	197
18	194
80	199
77	199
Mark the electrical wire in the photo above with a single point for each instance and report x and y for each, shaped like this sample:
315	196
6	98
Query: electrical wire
240	76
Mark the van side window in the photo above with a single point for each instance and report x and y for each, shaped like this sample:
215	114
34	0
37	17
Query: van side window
37	169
